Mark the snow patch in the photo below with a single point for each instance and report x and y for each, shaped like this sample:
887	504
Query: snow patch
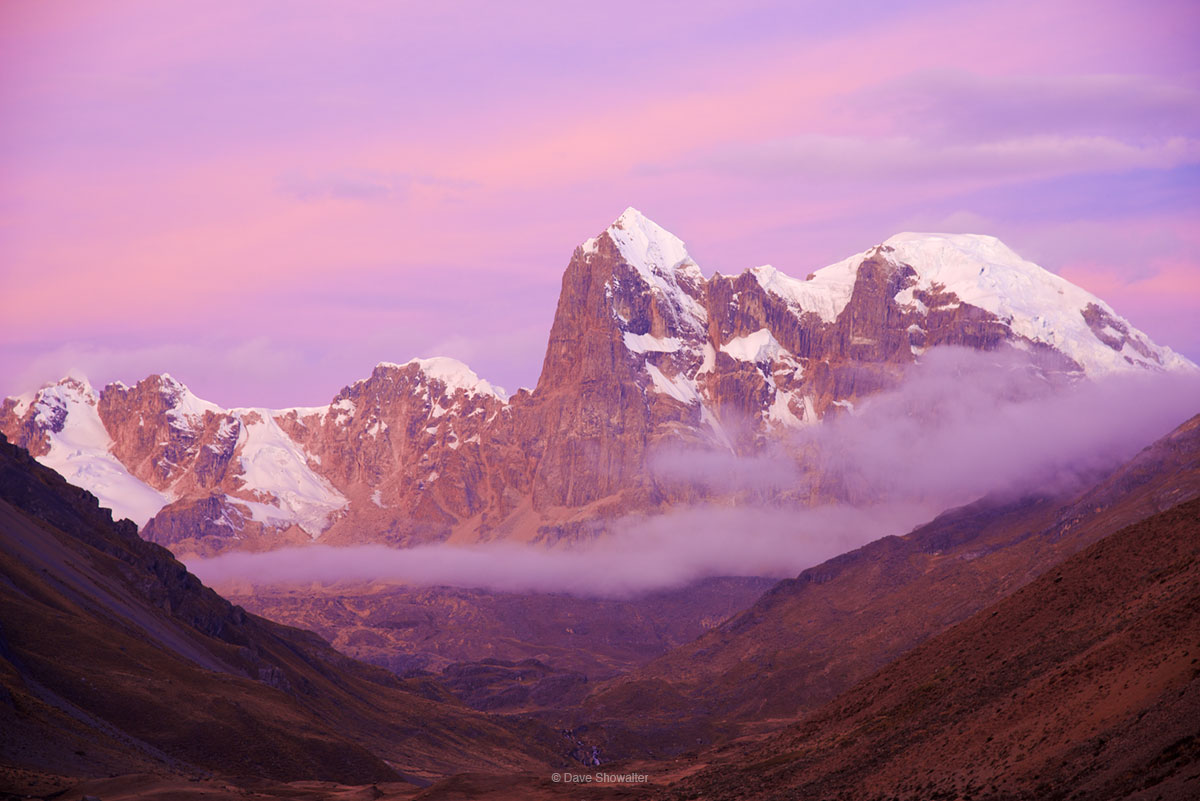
758	347
275	465
345	409
780	412
80	451
23	402
646	343
826	294
810	411
678	388
714	425
709	361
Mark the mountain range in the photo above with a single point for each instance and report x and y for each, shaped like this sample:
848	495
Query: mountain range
645	353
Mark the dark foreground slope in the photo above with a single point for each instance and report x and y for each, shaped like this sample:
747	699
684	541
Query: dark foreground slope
812	637
114	659
1083	684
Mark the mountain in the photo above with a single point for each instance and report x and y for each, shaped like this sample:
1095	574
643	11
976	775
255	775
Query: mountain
644	352
812	637
115	659
1082	684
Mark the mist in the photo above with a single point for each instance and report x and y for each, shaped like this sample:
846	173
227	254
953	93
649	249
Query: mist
639	556
965	424
960	426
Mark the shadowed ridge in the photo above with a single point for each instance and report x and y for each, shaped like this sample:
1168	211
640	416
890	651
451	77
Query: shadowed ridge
1081	684
113	658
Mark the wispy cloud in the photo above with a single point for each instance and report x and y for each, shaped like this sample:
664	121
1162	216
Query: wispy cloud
960	105
371	186
916	161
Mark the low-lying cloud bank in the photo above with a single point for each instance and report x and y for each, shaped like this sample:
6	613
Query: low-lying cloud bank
965	424
962	425
665	551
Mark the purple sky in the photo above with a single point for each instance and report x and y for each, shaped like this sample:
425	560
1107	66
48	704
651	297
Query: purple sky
266	199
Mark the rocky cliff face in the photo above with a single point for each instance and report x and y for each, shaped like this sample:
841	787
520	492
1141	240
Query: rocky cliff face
644	351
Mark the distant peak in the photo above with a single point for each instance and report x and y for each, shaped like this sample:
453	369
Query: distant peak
174	389
75	376
73	387
74	383
453	373
764	271
168	380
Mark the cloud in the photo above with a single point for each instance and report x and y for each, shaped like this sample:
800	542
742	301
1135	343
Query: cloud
916	160
359	185
640	556
963	425
959	105
938	125
719	471
366	185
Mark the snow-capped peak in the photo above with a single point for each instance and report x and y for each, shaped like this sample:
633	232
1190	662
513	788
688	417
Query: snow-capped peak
80	449
52	401
650	248
186	408
1035	303
662	262
454	374
76	376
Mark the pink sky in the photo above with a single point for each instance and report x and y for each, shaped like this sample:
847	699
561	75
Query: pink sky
266	199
